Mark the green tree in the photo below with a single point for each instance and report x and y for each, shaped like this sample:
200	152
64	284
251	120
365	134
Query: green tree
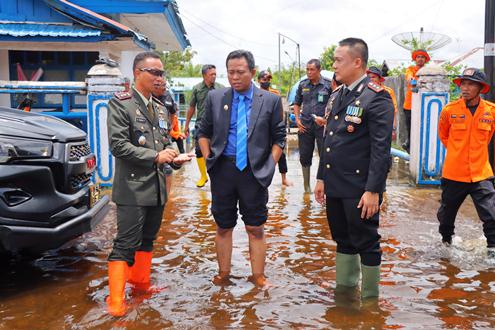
178	63
286	78
452	72
327	57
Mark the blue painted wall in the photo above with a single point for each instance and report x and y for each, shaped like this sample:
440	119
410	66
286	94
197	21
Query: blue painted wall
29	10
124	6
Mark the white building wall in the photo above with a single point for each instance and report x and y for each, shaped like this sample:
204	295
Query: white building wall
4	75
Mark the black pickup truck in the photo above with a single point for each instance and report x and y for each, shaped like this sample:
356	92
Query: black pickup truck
46	194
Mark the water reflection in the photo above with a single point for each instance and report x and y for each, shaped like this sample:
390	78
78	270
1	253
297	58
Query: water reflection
424	284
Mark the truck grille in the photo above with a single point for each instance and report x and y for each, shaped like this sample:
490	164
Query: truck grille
78	181
77	151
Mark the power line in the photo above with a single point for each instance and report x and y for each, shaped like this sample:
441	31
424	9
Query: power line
404	21
228	33
220	39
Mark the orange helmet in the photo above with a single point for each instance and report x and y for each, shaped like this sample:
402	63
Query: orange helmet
420	52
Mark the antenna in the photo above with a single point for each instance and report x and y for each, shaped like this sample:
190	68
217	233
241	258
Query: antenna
421	40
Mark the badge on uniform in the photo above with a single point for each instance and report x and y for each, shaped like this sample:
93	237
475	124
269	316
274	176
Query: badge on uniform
320	98
142	140
353	114
161	120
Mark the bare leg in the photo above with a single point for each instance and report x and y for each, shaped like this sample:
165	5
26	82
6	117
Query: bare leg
285	182
257	253
223	242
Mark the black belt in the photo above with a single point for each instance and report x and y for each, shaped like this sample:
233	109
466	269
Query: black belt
229	158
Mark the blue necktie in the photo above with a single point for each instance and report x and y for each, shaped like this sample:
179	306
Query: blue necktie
241	145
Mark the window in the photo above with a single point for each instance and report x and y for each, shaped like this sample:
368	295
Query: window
57	66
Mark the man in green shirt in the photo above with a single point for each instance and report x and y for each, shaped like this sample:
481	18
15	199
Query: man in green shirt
199	93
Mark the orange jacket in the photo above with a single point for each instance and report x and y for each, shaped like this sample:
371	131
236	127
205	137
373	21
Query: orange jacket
175	130
274	91
394	101
466	138
410	74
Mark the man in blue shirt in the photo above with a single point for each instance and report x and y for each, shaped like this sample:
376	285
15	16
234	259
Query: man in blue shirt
241	135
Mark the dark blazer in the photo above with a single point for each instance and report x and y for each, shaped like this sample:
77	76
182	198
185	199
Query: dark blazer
356	156
266	128
138	180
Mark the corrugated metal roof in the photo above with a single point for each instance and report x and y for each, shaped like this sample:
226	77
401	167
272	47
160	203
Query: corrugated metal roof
46	30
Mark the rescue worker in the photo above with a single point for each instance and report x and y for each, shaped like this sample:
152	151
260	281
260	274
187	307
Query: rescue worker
465	128
264	80
198	98
421	57
138	140
353	167
376	76
312	95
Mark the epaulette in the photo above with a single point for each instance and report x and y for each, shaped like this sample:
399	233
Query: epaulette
157	100
123	95
375	87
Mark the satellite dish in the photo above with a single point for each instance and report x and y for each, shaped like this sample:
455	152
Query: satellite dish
421	40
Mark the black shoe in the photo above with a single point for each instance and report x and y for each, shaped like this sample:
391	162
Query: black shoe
490	253
447	240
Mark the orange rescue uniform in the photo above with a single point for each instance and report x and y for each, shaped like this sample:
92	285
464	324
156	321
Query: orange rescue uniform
394	101
410	74
466	138
175	129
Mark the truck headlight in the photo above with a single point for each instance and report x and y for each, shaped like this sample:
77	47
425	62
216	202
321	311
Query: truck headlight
17	148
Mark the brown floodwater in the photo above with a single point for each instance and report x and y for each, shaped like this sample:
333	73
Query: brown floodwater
424	285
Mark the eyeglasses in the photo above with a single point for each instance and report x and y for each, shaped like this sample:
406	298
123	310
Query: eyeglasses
154	72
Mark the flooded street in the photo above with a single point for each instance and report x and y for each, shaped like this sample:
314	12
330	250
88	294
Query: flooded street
424	284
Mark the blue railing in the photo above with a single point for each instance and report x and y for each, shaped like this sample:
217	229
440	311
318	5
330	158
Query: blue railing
64	88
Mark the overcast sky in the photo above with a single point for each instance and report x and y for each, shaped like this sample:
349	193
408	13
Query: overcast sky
215	27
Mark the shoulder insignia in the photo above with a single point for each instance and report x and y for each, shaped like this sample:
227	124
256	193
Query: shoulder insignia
123	95
157	100
375	87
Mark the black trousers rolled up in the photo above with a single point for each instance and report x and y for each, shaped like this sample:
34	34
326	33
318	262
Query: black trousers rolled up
282	163
137	227
453	195
352	234
231	187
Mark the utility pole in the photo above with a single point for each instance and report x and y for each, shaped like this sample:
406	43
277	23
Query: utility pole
298	49
279	64
490	60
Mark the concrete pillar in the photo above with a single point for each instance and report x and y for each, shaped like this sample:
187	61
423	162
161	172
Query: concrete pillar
427	152
103	81
126	61
4	75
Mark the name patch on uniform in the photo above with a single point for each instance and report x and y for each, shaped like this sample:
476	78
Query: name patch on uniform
305	90
140	119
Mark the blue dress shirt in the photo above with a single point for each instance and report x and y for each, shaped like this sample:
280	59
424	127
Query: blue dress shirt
230	149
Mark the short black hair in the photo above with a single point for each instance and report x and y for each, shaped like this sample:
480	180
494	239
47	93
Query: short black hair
143	56
241	53
316	63
206	67
358	48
